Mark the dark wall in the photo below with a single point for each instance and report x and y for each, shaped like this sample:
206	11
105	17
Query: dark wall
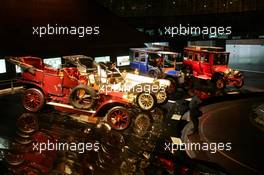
18	17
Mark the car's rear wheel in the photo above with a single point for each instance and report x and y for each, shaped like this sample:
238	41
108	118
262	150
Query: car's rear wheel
146	101
82	97
118	118
33	100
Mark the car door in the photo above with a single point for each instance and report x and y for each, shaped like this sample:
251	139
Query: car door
205	65
196	64
134	63
52	83
139	61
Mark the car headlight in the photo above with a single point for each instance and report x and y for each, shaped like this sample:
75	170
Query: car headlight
129	96
237	73
228	71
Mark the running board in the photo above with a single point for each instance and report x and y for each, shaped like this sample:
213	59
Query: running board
70	107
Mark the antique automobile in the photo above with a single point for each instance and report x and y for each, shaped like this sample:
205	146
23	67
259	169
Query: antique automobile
68	88
144	91
211	63
154	61
83	85
157	62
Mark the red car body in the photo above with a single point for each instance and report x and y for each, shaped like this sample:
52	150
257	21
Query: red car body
211	63
47	85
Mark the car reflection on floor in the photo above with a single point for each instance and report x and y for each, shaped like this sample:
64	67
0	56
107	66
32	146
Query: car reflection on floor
138	149
116	149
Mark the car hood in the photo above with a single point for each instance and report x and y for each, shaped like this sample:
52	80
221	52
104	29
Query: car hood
221	68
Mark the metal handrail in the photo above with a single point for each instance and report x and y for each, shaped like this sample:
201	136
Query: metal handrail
9	82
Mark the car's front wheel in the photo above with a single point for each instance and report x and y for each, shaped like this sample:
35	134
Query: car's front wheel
146	101
219	83
239	83
162	97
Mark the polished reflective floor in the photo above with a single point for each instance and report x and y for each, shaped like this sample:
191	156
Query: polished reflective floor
95	148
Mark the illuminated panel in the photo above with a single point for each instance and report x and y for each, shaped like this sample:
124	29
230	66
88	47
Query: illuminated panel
53	62
102	59
18	69
123	61
2	66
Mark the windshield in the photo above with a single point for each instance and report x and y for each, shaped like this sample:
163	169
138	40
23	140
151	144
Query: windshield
88	63
221	59
154	59
169	60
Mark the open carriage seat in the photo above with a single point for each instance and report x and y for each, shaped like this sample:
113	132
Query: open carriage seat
34	61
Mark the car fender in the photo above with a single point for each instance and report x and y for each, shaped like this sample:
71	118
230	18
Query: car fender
173	73
151	68
217	74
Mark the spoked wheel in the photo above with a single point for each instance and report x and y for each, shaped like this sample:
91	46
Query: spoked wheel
146	101
33	100
162	97
27	123
220	83
157	115
82	97
118	118
141	124
14	159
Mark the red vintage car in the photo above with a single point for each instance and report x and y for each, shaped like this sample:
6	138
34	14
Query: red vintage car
68	88
211	63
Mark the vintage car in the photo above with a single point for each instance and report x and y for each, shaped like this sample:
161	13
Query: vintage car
145	91
157	62
67	87
80	88
154	61
211	63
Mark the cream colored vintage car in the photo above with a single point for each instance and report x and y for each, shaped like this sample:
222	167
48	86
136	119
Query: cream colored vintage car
145	91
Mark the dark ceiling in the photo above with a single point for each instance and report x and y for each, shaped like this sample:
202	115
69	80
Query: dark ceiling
118	21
